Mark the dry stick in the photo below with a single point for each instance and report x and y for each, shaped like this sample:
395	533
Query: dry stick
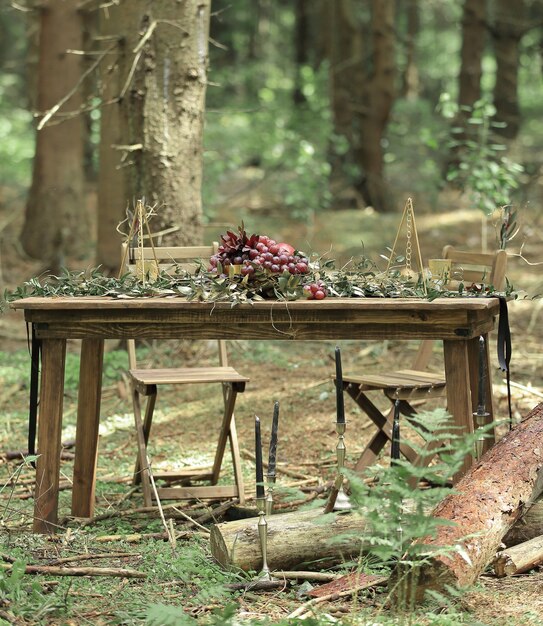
192	521
159	505
65	98
318	576
302	612
283	470
127	513
214	513
78	571
86	557
135	537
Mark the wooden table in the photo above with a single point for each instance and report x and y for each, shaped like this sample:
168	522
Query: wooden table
456	321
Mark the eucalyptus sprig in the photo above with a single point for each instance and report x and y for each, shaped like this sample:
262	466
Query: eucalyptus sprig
359	278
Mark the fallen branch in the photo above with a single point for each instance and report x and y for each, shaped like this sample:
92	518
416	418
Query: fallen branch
364	582
78	571
520	558
88	557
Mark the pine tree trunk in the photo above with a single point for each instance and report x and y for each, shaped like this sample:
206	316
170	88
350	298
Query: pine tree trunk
113	194
55	220
507	32
164	69
473	45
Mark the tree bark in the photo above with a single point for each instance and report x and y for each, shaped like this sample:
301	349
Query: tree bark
113	195
56	223
471	55
362	89
294	539
507	31
486	503
163	73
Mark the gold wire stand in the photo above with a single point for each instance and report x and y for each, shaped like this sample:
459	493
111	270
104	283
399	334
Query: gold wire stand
412	244
342	501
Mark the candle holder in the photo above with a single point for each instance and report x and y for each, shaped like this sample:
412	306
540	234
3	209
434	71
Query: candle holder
480	418
263	536
270	479
342	500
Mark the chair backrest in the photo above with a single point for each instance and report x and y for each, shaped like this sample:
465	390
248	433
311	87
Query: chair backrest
477	267
467	267
147	261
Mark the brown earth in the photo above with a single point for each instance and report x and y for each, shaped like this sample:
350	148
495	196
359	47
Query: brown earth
298	375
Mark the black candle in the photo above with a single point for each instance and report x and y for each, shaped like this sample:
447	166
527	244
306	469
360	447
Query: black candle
258	460
481	385
273	441
340	407
395	445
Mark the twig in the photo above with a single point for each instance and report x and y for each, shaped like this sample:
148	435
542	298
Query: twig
318	576
135	537
531	390
78	571
87	557
159	504
214	513
192	521
65	99
283	470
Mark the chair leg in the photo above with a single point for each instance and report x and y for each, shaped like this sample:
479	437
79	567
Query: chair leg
142	437
230	395
236	461
384	430
147	423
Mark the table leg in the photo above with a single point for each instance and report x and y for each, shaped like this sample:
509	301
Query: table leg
88	419
53	361
459	404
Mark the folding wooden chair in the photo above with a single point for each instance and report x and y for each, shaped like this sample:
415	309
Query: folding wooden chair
144	382
416	385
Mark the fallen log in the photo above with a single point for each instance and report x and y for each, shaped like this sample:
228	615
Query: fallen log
520	558
297	538
529	526
487	501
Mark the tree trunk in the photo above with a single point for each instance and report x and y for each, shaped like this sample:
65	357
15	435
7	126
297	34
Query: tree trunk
487	502
362	89
305	538
163	73
410	78
471	55
507	31
113	195
374	106
55	220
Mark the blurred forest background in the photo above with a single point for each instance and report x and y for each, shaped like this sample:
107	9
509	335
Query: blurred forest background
309	108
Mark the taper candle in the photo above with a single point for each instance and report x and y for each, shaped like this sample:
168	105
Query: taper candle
258	460
340	407
395	445
272	459
482	362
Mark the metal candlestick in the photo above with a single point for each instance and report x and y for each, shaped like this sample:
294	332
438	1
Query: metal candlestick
342	500
263	536
481	415
270	479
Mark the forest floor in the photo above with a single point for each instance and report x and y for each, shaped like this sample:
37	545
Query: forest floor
296	374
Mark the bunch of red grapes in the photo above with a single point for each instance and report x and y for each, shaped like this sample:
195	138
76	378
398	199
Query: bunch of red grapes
260	252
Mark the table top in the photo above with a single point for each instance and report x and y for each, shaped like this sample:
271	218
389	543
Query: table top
331	318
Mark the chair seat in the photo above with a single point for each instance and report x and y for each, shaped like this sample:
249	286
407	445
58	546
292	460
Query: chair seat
409	379
187	375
